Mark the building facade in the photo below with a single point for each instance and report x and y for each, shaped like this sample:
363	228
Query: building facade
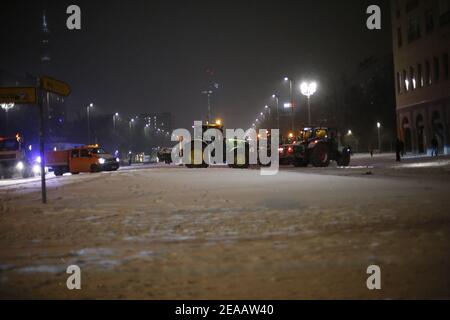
158	121
421	35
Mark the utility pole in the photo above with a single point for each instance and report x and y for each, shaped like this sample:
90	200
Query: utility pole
208	94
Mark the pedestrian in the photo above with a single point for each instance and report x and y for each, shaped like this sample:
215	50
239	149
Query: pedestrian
398	150
402	147
371	151
434	147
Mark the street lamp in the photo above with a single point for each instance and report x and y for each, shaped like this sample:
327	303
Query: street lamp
308	89
115	117
379	136
274	96
291	99
208	94
91	105
131	131
7	107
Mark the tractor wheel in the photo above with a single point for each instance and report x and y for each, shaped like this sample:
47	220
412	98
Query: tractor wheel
27	173
320	156
344	159
7	174
300	163
192	165
58	172
240	163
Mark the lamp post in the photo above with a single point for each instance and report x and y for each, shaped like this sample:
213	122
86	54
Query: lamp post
7	107
208	94
308	89
115	117
274	96
291	99
130	123
91	105
379	136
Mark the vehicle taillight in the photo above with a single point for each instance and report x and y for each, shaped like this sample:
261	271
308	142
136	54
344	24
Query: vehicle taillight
290	150
280	150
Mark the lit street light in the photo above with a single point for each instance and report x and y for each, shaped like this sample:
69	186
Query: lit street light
379	136
7	107
274	96
308	89
115	117
208	94
131	132
291	99
91	105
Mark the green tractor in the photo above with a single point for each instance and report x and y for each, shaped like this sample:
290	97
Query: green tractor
317	146
241	160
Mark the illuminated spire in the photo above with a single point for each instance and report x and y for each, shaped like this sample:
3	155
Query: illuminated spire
45	56
44	23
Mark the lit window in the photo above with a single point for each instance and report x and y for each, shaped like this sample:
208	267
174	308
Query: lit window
428	73
436	69
420	75
412	76
446	67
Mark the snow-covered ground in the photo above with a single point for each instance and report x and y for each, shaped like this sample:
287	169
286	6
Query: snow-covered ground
170	232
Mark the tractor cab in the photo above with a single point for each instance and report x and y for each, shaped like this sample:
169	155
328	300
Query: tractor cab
318	133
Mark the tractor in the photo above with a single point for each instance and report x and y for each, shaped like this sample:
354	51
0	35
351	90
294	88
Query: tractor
240	161
316	146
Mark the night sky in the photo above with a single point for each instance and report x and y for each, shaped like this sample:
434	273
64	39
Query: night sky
152	56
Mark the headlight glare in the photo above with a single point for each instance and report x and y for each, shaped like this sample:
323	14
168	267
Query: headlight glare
20	166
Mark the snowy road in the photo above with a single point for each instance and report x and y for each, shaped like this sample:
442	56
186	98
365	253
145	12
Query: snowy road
168	232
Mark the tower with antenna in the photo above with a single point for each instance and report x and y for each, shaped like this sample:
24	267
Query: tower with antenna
45	44
56	112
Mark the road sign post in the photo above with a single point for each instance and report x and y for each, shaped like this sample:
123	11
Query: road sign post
29	95
42	144
60	88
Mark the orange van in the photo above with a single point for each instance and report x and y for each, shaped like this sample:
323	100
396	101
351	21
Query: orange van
83	159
